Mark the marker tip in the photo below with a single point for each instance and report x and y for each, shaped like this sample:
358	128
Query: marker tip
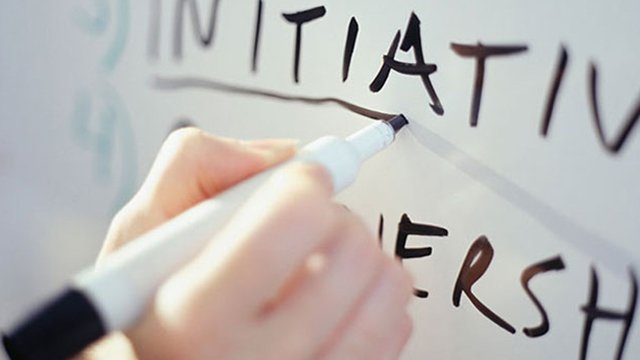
398	122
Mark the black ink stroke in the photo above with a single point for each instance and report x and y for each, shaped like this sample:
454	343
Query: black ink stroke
553	93
183	83
299	19
412	40
382	76
205	37
256	38
380	228
554	263
422	294
475	264
481	53
616	144
349	47
593	312
405	228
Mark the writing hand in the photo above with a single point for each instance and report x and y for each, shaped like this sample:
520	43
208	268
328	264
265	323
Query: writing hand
291	276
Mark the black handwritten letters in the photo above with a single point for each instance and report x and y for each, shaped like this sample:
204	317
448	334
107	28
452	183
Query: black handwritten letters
205	37
299	19
349	47
406	228
553	93
593	312
612	146
616	145
474	266
554	263
478	260
256	38
481	53
476	263
410	42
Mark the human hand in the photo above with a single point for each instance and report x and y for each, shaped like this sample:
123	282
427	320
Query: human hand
291	276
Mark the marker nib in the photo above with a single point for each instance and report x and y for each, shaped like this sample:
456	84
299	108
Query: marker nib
398	122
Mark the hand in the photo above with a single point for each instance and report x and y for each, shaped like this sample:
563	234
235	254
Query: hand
291	276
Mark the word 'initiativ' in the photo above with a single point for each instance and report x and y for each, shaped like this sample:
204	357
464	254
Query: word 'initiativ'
477	262
410	41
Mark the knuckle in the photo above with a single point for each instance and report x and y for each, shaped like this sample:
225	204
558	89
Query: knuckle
121	225
184	136
184	142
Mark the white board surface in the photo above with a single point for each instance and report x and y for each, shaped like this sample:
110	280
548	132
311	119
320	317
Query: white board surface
89	90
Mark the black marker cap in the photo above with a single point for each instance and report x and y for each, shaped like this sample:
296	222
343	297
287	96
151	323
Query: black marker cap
398	122
59	330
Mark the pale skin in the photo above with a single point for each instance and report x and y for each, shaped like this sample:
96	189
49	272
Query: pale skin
292	275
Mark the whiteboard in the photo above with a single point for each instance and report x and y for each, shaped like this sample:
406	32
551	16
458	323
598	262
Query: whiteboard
521	145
